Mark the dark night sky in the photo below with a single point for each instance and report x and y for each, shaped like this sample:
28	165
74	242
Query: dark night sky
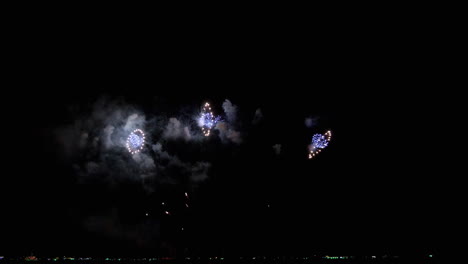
363	194
367	193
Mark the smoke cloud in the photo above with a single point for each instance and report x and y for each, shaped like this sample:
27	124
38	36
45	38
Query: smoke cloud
227	130
277	148
257	117
176	130
95	146
310	121
230	110
143	233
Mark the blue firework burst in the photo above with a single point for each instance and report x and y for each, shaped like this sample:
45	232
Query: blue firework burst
135	141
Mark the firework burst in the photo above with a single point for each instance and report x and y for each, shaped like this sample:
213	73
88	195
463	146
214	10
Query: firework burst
207	120
319	142
135	141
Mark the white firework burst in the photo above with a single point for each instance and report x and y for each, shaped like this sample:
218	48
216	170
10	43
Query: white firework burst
135	141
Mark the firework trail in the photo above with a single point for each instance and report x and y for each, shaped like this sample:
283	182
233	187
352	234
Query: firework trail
319	142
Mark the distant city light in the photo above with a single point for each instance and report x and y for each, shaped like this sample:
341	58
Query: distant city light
335	257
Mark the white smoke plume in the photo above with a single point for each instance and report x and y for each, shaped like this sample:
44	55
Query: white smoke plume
258	116
227	130
310	121
175	130
277	149
230	110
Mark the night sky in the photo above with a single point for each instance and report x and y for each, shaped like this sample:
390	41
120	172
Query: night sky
366	193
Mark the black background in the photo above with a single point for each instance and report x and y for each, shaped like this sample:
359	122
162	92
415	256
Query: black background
367	193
